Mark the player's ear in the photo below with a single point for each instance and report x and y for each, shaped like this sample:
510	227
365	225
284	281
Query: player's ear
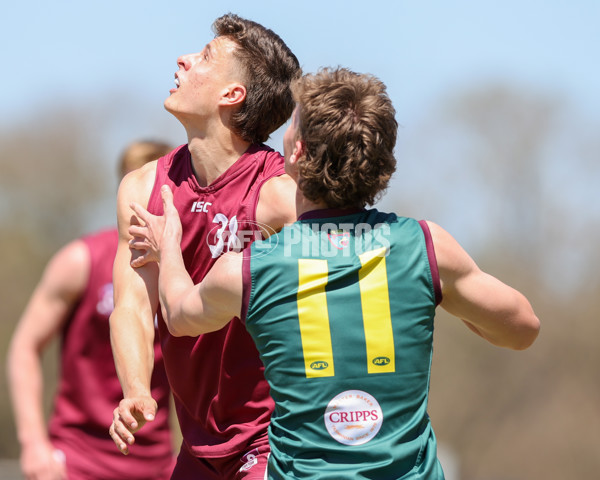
300	148
233	94
298	152
291	167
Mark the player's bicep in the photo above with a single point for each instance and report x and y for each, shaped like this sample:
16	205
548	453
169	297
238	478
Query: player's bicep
495	310
135	187
135	289
478	297
467	292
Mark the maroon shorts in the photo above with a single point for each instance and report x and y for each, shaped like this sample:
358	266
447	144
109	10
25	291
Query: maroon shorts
247	466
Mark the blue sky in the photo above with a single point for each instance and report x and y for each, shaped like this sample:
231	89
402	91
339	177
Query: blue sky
69	50
121	55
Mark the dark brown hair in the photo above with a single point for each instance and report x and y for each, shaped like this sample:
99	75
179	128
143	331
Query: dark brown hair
269	67
347	123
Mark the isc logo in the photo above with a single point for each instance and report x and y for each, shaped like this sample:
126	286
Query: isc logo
319	365
200	207
381	361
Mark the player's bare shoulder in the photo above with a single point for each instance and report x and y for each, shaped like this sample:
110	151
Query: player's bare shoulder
452	260
137	185
277	202
67	272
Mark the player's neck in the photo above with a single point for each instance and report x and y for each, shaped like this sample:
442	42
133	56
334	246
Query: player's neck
304	205
213	154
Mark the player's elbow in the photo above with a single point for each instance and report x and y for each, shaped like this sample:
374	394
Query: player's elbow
178	324
529	329
175	330
521	325
173	324
515	331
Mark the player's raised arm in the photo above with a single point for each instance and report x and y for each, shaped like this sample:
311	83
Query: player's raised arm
132	321
492	309
188	309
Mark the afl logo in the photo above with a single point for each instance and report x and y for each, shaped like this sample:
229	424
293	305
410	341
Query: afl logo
353	417
320	365
106	302
381	361
231	235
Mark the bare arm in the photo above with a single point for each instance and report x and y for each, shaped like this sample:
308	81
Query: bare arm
276	204
57	293
132	321
490	308
193	310
196	309
188	309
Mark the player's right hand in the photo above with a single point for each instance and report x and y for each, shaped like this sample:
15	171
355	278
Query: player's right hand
39	461
154	233
131	415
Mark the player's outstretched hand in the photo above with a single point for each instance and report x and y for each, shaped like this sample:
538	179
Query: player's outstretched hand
156	231
131	415
41	461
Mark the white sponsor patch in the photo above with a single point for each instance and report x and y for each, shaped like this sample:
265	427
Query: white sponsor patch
353	417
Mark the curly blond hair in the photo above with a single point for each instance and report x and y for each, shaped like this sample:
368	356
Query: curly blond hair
347	123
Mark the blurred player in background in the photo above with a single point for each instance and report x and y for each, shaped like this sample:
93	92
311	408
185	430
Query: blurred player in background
341	303
228	186
73	301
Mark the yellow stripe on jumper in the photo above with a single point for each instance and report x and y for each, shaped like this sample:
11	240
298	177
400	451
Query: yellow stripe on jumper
376	312
314	318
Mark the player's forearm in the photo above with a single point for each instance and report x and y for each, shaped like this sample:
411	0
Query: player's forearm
25	381
175	284
133	350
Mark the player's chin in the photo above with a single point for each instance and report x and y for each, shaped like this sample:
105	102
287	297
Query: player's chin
168	104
